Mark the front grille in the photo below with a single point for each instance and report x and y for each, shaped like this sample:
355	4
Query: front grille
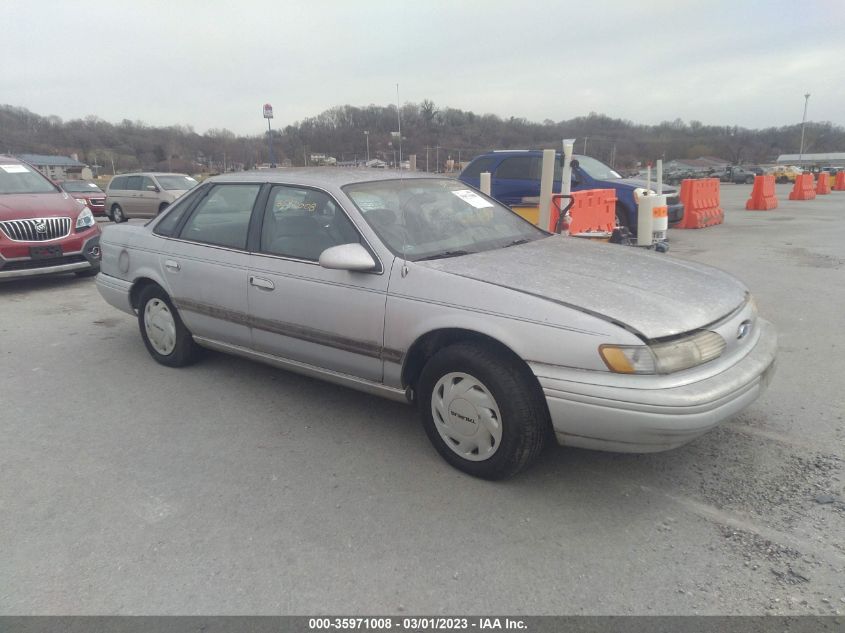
97	202
36	229
29	264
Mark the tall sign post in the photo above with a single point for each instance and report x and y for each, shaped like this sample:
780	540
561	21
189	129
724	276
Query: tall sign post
268	114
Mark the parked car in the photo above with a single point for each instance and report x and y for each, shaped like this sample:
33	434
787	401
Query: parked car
144	195
420	289
735	174
88	193
516	175
43	230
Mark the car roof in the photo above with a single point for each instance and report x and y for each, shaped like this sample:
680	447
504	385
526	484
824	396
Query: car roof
321	176
5	159
505	153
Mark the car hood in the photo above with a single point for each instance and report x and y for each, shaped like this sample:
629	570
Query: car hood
19	206
636	182
651	294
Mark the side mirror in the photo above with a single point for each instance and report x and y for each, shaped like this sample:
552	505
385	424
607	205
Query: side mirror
352	257
153	188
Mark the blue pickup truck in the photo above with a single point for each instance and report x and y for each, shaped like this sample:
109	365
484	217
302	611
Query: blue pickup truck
516	175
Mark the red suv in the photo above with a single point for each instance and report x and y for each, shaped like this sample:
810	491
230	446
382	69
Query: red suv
87	193
43	230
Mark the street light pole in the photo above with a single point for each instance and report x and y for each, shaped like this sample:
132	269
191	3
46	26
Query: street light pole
803	122
367	136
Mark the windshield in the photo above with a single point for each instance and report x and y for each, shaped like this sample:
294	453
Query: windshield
596	169
23	179
176	183
429	218
80	186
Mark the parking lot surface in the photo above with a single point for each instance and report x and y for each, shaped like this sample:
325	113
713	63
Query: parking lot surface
234	488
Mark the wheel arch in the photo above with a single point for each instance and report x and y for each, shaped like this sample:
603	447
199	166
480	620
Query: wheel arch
138	287
429	343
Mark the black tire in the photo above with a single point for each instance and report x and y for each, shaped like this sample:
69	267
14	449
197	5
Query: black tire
91	272
117	215
749	180
185	351
621	215
525	423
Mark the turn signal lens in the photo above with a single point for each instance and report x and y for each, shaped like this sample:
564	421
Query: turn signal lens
628	359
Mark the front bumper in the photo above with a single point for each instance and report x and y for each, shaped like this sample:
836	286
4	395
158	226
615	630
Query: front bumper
16	267
646	415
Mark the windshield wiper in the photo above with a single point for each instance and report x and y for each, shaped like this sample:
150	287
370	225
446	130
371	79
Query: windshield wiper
444	255
523	240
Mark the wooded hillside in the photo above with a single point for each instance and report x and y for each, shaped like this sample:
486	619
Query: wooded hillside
339	132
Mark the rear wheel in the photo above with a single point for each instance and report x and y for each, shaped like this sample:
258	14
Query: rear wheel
749	180
117	214
167	339
482	410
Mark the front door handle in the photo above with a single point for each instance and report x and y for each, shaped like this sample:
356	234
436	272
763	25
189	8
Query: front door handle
171	265
260	282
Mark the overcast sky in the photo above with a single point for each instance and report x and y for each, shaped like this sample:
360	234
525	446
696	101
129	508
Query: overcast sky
213	64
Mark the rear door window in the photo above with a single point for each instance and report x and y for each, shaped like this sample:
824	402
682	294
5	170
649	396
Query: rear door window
222	217
480	165
133	183
519	168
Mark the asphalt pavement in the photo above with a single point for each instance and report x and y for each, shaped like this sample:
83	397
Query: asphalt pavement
234	488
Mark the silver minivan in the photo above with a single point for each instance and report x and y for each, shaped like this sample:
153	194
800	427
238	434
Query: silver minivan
144	195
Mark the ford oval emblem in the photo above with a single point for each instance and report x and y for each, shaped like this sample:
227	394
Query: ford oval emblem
743	330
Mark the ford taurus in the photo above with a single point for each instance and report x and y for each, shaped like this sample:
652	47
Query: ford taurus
424	290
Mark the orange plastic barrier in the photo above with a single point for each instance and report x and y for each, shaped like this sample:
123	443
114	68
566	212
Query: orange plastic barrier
839	185
701	203
592	210
763	194
823	185
804	188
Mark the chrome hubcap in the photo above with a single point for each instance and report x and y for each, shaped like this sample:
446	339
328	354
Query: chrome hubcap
160	326
466	416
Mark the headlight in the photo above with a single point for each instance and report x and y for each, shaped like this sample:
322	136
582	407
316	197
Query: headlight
663	358
85	219
80	201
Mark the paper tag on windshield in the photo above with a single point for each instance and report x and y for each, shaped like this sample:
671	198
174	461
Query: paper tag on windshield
91	184
14	169
467	195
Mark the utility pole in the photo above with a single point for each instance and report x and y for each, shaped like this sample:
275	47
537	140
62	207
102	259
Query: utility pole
367	136
803	122
426	158
437	160
585	145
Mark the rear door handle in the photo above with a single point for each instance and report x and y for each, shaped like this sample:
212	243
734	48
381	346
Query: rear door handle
260	282
171	265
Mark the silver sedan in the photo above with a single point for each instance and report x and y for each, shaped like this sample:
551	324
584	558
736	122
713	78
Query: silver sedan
426	291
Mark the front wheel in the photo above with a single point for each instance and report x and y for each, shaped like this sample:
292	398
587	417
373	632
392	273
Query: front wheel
749	180
482	410
167	339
